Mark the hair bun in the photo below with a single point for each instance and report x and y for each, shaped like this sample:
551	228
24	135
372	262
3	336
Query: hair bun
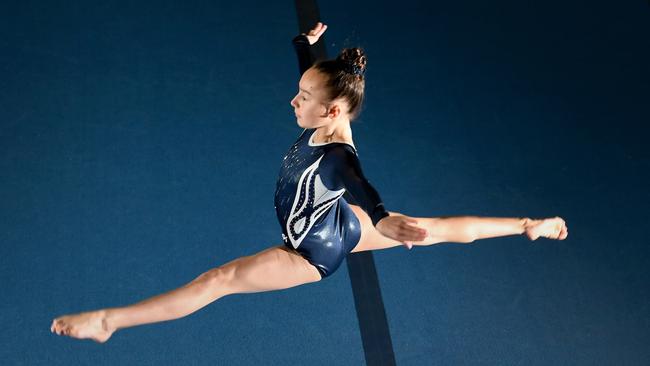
353	61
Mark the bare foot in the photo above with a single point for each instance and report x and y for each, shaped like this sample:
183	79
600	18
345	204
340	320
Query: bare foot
91	324
554	228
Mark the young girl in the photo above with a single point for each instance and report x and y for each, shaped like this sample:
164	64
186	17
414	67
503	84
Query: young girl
319	226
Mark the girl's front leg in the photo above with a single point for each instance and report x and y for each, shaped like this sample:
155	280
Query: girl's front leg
460	229
467	229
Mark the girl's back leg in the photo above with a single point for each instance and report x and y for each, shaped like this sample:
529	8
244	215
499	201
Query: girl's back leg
274	268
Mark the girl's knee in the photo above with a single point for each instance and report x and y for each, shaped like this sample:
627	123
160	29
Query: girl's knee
211	277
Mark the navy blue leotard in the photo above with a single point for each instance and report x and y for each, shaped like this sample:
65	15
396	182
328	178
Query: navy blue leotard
316	219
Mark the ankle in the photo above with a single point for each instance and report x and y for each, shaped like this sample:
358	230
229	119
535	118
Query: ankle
108	320
526	222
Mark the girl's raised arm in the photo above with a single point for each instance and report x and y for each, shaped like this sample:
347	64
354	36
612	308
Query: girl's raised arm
302	44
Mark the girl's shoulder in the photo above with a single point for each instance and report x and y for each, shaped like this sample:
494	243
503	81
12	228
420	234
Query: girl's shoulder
340	154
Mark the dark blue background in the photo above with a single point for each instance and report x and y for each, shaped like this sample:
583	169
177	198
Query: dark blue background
140	144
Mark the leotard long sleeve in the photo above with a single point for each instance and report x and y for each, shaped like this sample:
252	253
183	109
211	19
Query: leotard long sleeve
342	165
303	51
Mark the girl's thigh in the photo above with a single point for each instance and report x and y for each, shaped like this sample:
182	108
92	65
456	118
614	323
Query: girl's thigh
274	268
371	239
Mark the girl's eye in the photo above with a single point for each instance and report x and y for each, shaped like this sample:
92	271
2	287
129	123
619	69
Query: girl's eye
303	98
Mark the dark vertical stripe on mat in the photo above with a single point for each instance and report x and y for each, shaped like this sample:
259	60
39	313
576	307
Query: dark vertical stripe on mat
375	336
373	324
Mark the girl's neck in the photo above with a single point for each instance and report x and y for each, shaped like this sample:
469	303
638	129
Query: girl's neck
332	133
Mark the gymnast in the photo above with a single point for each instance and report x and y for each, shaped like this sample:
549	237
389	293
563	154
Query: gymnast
319	179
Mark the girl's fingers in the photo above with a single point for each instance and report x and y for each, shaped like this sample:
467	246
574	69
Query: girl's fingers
416	229
412	222
413	226
316	32
417	235
320	27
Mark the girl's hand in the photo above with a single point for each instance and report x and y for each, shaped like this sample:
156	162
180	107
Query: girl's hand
401	228
315	33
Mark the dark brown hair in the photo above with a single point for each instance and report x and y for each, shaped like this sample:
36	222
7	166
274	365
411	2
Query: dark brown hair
345	78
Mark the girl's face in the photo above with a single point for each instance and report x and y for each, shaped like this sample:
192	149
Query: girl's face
309	104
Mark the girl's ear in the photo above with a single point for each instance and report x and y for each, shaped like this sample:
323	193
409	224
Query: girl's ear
334	111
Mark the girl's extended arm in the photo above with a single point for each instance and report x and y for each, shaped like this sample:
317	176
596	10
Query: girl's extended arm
346	172
302	44
341	168
303	51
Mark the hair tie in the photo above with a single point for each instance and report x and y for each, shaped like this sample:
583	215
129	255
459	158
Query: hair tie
352	68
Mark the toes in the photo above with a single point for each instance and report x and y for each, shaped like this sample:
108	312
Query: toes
56	328
565	233
62	328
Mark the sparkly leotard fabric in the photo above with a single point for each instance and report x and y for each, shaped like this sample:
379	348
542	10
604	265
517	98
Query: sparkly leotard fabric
316	219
